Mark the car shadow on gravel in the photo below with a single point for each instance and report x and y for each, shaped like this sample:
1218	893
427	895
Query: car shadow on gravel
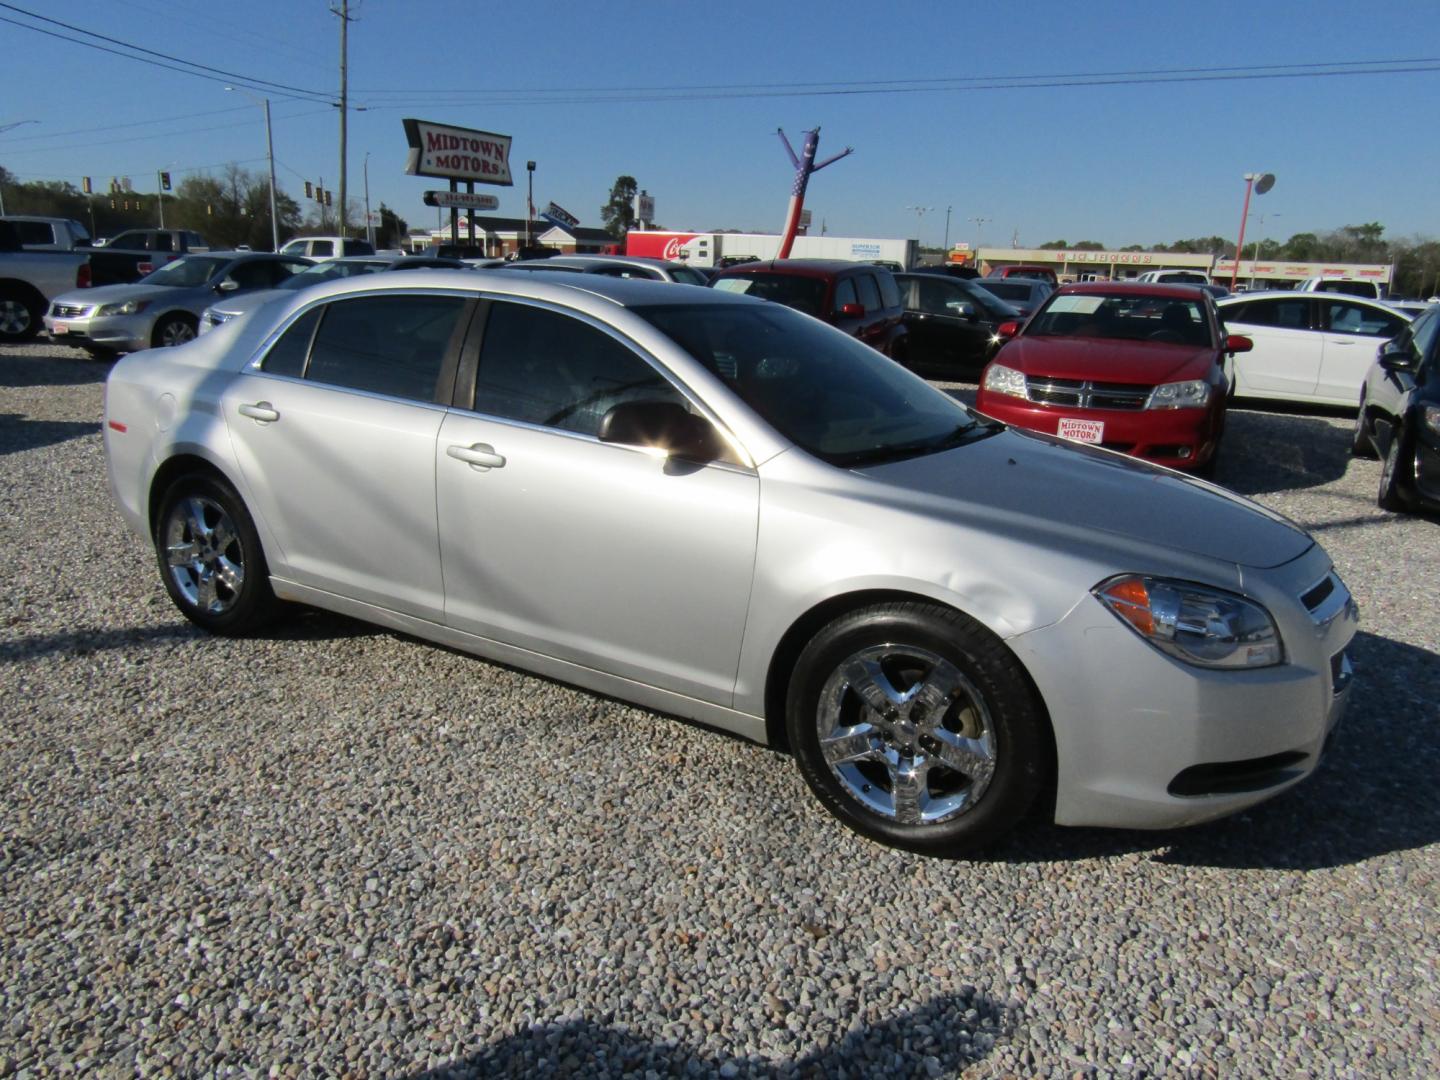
19	433
18	369
944	1036
1371	796
1284	451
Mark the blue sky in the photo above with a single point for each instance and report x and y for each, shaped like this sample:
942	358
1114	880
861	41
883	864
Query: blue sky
686	97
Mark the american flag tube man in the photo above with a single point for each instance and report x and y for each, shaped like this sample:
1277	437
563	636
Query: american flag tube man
804	166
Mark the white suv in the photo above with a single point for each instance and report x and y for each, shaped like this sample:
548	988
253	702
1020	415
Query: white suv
326	247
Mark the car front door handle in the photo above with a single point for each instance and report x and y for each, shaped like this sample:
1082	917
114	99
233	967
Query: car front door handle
479	456
262	411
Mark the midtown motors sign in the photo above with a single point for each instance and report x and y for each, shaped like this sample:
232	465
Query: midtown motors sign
453	153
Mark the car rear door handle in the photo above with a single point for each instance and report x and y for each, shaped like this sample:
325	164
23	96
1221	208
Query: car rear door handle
261	410
479	456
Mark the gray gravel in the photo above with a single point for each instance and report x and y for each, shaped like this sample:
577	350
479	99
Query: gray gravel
334	851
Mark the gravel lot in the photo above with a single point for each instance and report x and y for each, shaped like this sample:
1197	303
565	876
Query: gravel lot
335	851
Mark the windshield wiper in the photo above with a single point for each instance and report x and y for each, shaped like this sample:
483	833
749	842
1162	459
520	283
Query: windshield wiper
970	431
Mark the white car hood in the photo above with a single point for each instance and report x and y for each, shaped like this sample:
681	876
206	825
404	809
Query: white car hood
1019	474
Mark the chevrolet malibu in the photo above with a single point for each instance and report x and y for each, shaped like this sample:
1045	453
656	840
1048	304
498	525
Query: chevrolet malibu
1142	369
726	510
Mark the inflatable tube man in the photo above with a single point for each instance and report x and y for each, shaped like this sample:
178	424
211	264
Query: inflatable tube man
804	166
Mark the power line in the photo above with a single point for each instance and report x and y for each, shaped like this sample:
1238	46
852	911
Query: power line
162	135
115	127
228	76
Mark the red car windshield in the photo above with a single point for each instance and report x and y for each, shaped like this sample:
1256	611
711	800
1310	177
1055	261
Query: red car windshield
1159	319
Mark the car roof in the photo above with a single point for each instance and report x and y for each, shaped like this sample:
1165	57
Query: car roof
1328	297
560	288
815	268
1132	288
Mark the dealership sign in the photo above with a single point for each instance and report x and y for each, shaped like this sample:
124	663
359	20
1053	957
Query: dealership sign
467	200
558	215
453	153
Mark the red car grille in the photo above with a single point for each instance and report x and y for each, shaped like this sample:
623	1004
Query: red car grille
1084	394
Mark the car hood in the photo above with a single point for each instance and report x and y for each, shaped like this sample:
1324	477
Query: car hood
1106	360
243	303
114	294
1017	477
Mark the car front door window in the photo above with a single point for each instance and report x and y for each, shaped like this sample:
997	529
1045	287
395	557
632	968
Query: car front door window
391	345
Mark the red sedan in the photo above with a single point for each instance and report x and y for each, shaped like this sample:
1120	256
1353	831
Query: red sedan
1142	369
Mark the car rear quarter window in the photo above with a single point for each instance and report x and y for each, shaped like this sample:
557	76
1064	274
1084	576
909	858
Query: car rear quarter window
391	345
543	367
844	294
889	291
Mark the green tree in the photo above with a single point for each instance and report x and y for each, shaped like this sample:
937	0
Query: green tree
393	231
1087	245
1054	245
619	213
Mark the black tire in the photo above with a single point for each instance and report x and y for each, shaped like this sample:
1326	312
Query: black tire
975	726
1395	494
210	558
99	352
20	315
1361	445
174	329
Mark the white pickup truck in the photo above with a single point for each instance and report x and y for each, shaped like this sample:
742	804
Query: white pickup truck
48	233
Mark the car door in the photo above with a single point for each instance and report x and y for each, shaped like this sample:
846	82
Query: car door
1353	331
598	554
1288	346
334	429
874	324
1388	390
939	331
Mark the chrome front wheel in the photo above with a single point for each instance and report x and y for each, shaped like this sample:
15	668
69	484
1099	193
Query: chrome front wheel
914	725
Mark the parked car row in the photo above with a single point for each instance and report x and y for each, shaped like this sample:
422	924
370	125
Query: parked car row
724	509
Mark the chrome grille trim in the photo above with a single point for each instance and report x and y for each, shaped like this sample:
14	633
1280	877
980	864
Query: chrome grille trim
1085	394
69	311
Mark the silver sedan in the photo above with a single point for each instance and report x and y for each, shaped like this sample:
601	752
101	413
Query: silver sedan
722	509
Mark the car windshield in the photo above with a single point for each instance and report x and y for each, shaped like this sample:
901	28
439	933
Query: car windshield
1159	319
330	271
187	272
688	275
805	294
823	390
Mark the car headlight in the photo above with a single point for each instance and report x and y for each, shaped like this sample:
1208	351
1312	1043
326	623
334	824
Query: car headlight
1430	414
1179	395
1194	623
128	307
1004	380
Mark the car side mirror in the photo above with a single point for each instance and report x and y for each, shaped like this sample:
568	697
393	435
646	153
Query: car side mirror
228	285
1007	330
661	425
1392	358
852	311
1238	343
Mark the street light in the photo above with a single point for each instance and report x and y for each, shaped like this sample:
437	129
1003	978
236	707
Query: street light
979	223
920	212
1261	182
529	201
1256	256
270	154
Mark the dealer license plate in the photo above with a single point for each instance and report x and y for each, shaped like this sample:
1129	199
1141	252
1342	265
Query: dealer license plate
1092	431
59	328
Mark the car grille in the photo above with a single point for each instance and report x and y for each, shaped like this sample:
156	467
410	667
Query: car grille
1085	394
69	311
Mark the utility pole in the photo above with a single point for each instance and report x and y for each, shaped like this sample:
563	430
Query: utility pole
947	228
344	13
369	229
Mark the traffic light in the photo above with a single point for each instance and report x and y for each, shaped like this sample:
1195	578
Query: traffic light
209	210
112	204
309	190
328	194
85	185
164	181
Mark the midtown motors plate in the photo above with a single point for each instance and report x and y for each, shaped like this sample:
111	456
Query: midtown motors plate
1091	431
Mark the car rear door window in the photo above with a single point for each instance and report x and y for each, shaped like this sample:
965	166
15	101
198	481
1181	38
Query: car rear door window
1344	317
542	367
868	292
844	294
935	294
287	356
391	345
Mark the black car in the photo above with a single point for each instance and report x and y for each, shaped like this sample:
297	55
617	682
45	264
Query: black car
951	322
1399	417
955	270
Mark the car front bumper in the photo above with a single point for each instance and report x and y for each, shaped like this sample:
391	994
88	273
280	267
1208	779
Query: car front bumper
1176	438
1146	741
122	333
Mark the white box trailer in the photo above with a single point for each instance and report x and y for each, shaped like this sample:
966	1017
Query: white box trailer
709	249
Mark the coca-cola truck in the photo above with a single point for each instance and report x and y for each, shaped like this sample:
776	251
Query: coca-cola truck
709	248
